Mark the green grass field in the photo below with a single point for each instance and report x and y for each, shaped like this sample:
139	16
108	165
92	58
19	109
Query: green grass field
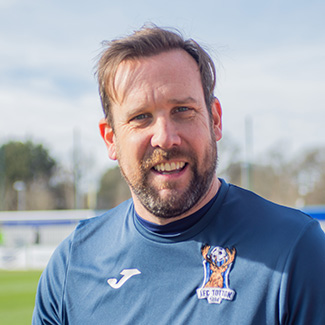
17	296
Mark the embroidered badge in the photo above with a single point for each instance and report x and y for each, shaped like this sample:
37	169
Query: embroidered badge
217	263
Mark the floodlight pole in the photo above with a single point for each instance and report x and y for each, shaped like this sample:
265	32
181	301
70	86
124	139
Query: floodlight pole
20	187
247	166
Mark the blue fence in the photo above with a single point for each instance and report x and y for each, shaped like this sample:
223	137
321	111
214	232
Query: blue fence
317	212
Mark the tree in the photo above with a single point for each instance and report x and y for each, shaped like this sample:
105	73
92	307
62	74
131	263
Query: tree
296	181
61	186
309	173
29	164
113	190
26	161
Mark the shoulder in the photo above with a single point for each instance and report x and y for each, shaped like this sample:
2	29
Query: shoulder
113	216
257	207
87	234
272	225
86	238
109	225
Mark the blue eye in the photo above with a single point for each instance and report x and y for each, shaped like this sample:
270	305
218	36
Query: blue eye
181	109
140	117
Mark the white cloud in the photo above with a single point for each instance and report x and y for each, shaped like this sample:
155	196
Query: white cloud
281	90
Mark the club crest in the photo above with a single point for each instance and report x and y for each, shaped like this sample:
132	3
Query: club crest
217	262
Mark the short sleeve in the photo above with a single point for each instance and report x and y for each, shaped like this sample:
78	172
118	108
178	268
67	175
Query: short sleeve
303	290
50	292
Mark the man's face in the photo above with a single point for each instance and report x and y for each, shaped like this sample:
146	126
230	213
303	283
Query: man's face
164	139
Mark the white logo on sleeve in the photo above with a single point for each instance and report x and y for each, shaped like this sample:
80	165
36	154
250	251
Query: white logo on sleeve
127	274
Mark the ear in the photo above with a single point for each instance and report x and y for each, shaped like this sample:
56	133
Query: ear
107	134
216	118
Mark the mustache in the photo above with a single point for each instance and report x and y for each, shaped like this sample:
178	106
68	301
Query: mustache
158	155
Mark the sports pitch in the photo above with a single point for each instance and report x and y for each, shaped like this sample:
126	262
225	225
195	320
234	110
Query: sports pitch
17	296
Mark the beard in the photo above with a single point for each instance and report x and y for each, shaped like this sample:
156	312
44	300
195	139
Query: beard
176	202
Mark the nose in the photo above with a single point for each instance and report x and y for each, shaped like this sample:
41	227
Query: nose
165	134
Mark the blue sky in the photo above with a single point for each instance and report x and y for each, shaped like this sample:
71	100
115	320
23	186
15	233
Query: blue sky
270	58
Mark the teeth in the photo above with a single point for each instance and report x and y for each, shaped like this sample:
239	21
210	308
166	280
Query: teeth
168	167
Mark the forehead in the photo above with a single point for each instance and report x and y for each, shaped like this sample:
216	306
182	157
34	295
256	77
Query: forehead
173	68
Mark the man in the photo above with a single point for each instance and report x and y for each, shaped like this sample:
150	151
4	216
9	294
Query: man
188	248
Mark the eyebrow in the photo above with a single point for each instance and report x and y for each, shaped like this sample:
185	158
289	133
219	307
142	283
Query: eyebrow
174	101
186	100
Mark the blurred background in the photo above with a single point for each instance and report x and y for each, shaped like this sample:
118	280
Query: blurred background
54	169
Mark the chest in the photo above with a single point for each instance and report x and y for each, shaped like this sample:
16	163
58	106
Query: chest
165	284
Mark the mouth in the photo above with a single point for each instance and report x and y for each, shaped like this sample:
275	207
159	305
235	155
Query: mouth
170	167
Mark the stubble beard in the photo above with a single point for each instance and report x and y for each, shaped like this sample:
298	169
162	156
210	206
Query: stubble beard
176	202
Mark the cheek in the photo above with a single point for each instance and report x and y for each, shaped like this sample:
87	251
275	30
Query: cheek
132	149
199	139
203	145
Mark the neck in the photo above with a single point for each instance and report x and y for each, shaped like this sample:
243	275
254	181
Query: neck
145	214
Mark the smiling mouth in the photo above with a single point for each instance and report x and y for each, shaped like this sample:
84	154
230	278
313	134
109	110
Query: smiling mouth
170	167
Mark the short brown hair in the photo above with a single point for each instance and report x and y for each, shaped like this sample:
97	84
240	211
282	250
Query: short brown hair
149	41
